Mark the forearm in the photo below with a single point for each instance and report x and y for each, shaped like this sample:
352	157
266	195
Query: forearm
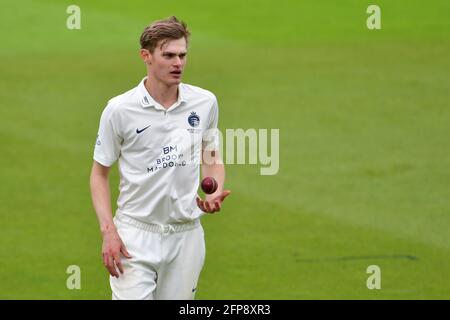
217	171
102	202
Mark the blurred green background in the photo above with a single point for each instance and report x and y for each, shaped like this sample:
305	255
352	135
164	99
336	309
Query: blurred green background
364	125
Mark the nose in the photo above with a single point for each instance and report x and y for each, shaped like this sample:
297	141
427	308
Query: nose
177	61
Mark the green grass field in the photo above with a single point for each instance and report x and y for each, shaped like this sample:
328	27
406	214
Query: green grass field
364	119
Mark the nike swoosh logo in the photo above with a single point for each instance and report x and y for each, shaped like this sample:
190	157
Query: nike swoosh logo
139	131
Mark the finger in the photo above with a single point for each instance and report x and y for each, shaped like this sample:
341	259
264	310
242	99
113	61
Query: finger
198	202
218	205
106	262
201	205
214	206
125	252
112	270
208	207
225	194
204	206
118	263
109	264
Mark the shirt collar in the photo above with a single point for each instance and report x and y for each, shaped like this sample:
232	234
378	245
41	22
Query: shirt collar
147	100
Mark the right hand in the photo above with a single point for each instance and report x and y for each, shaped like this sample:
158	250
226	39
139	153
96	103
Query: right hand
212	203
113	247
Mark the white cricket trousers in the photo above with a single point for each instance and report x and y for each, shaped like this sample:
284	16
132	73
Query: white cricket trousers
166	260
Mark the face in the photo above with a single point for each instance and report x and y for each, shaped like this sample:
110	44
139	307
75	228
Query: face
166	63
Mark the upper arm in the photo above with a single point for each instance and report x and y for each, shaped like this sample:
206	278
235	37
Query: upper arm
100	170
211	136
109	138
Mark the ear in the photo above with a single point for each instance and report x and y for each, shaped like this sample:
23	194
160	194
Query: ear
146	56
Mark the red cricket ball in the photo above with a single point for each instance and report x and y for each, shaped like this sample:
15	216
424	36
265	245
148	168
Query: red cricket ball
209	185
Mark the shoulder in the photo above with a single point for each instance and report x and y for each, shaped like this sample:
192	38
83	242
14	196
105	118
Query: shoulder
196	93
122	99
117	104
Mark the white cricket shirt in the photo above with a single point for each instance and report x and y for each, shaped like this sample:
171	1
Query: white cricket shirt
158	151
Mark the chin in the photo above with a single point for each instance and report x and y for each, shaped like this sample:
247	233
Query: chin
173	82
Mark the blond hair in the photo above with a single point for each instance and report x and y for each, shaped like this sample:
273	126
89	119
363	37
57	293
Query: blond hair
163	30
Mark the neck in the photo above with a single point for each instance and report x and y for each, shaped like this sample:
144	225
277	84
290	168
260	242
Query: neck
163	94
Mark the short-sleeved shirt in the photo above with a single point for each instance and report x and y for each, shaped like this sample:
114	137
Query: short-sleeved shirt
158	151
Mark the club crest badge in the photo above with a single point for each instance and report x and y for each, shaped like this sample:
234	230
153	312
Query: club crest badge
194	119
145	101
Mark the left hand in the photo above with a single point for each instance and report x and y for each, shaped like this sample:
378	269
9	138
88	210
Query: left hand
212	203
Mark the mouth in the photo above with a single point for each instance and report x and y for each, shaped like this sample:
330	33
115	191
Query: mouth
176	73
